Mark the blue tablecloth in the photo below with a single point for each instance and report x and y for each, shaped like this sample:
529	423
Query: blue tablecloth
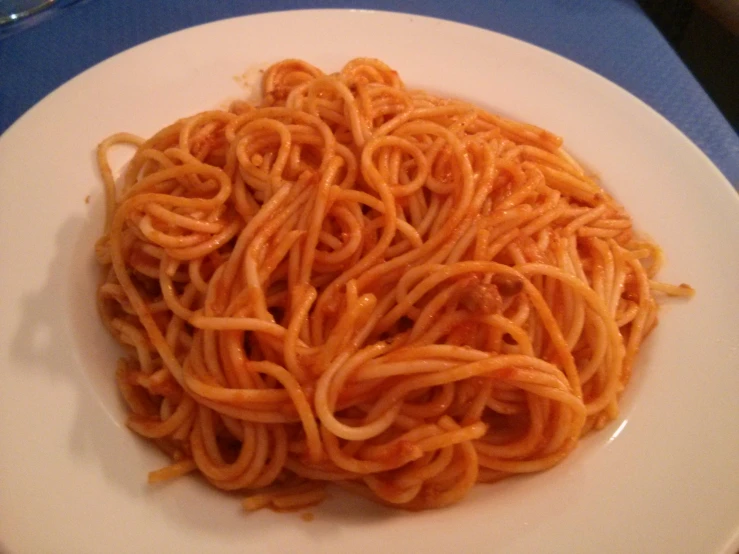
612	37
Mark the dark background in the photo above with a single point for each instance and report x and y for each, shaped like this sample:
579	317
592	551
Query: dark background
705	34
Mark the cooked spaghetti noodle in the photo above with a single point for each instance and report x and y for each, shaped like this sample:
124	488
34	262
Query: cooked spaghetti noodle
358	283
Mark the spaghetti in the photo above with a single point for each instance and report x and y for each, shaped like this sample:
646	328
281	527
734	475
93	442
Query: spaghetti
358	283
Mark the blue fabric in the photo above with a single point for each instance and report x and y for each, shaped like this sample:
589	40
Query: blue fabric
612	37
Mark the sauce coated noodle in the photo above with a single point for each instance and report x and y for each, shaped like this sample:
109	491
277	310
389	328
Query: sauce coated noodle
363	284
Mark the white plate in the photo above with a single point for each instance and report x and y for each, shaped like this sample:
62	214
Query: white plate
662	478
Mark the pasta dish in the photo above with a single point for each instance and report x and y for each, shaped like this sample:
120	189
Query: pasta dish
358	283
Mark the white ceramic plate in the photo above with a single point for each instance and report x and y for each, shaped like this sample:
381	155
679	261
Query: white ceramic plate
662	478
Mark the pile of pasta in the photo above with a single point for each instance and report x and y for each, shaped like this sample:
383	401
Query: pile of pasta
358	283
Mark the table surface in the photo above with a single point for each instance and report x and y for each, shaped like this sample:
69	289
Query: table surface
612	37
